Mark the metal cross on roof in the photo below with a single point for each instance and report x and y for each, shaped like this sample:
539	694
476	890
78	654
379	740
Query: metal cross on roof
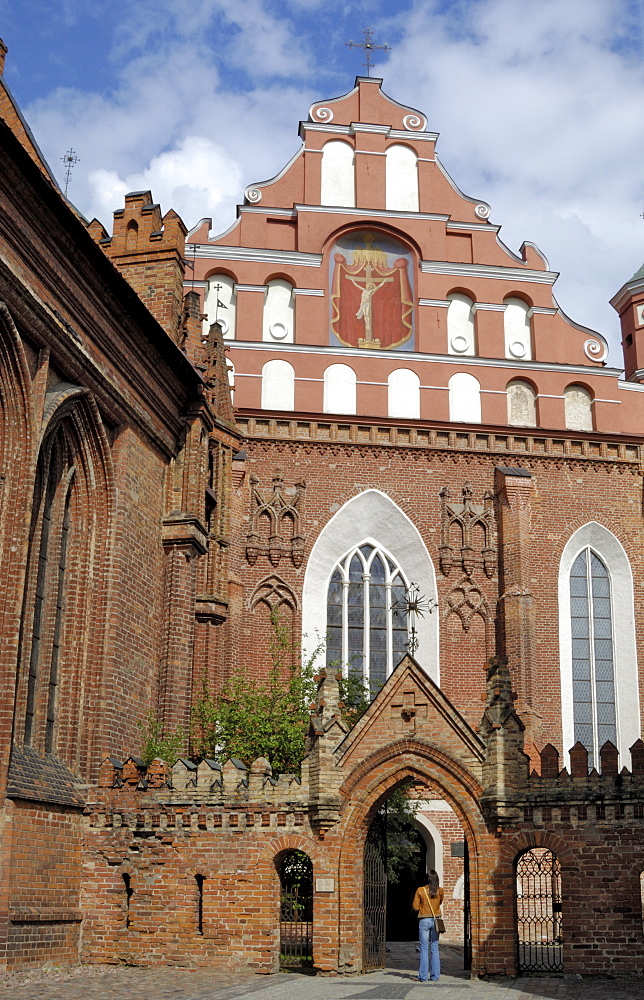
368	47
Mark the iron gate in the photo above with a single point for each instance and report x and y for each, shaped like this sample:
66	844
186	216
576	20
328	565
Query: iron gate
296	911
467	913
538	889
375	909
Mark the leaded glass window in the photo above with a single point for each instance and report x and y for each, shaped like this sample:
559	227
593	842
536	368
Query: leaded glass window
593	675
364	635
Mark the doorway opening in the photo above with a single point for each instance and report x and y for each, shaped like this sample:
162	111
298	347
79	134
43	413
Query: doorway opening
414	830
296	910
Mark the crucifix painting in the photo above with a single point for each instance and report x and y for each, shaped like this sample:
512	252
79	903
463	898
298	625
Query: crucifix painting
371	295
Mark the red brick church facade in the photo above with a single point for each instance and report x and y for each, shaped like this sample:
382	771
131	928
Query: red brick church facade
410	406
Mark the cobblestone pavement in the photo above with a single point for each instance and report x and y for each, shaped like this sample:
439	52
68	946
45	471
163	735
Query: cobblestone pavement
396	982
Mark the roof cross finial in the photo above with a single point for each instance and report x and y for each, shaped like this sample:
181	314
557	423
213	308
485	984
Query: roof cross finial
368	47
70	160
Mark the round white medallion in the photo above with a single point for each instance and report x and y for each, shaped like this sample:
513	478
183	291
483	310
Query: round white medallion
277	331
517	349
459	344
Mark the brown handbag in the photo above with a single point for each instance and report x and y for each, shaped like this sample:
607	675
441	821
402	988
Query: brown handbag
439	923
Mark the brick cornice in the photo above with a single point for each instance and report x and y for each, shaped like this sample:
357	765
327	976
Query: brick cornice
445	441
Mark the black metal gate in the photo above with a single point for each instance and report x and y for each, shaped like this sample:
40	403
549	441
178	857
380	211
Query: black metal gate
296	911
467	913
375	909
538	889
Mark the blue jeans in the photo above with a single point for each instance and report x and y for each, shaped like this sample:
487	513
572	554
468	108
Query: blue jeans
429	957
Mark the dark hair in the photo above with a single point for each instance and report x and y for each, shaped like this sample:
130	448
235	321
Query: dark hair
432	882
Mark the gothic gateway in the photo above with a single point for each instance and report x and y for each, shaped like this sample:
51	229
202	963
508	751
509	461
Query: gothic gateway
355	393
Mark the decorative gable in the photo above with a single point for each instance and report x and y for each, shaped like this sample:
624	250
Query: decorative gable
411	706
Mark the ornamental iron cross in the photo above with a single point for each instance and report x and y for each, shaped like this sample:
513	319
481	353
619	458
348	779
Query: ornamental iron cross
368	47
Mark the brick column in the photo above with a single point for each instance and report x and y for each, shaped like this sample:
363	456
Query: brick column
516	609
184	539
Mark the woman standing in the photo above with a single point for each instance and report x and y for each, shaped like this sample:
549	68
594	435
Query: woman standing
427	904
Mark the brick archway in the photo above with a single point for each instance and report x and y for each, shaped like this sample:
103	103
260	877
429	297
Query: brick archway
365	788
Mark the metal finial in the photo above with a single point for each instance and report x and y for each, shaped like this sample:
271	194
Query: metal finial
70	160
368	47
412	606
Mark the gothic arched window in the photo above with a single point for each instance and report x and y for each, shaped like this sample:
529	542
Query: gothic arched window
593	674
597	643
365	635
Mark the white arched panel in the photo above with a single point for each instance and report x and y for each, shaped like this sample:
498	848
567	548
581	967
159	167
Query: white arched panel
220	304
516	324
278	317
578	405
460	325
403	391
339	389
464	398
401	179
522	404
338	175
611	552
278	385
370	518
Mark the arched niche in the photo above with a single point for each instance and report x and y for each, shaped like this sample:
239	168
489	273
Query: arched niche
278	385
338	185
461	338
516	325
401	179
339	389
220	304
403	394
279	312
522	404
370	518
464	398
578	404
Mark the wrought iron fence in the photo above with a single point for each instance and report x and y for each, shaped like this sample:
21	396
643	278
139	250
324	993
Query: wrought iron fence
375	909
296	911
538	888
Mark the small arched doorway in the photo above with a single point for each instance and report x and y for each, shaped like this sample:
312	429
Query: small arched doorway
296	909
538	905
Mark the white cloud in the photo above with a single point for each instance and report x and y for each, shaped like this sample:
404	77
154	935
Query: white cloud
195	173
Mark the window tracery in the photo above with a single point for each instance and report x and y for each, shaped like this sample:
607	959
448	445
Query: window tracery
364	634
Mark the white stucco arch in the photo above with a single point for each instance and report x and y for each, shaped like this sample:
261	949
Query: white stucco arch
611	551
433	841
371	517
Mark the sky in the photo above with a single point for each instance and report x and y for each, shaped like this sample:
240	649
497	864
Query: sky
540	106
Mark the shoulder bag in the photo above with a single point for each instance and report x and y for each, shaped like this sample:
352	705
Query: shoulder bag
439	923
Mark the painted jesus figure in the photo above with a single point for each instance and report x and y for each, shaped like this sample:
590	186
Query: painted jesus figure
365	311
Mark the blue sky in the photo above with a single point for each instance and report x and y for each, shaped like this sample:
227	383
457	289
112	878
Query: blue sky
540	106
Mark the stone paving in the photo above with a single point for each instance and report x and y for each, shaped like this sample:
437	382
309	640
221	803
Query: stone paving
396	982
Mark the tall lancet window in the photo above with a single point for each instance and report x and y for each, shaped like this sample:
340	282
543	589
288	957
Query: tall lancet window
593	675
364	634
